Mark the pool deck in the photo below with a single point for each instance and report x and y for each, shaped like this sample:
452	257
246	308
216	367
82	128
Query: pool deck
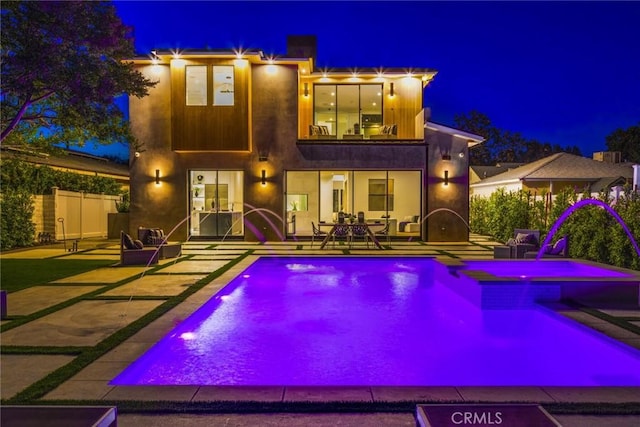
84	310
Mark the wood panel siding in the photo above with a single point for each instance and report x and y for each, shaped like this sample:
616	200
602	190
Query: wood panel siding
210	128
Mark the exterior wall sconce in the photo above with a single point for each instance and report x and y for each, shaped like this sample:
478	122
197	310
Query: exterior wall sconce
446	157
263	179
157	176
446	177
263	158
392	91
306	89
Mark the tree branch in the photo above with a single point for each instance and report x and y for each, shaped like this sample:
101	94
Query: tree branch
16	119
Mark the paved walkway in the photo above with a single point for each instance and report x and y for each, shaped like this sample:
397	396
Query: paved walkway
108	299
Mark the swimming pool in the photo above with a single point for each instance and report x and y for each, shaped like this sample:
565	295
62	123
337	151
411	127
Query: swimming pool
340	321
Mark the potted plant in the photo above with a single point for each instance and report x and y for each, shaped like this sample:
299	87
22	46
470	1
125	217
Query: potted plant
119	220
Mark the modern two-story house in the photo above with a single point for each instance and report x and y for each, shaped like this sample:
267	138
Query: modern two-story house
240	145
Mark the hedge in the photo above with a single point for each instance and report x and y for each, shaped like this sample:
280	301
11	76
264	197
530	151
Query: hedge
594	234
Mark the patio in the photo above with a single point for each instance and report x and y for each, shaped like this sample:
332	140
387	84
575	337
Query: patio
93	306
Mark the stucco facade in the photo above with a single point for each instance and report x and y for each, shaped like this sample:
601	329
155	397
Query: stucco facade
245	155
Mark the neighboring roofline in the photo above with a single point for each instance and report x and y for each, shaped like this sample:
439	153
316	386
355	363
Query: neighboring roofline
471	138
498	183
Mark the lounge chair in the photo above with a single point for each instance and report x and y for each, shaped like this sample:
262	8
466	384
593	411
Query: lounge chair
133	252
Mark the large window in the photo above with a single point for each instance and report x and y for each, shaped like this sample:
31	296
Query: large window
349	111
382	195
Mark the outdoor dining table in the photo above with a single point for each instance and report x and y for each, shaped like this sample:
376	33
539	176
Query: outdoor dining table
333	225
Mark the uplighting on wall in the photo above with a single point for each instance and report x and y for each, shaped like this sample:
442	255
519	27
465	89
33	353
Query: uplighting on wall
392	91
263	179
306	89
157	176
446	177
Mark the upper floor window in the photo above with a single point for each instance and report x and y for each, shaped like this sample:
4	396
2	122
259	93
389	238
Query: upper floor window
348	111
223	85
196	84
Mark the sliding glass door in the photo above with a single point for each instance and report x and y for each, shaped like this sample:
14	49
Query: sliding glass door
383	196
216	203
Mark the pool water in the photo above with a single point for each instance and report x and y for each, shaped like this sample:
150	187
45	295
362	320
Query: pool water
325	321
543	269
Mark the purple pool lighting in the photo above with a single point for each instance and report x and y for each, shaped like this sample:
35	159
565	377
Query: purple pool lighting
518	269
352	321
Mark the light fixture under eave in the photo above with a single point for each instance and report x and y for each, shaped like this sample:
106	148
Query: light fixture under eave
306	89
446	177
263	179
157	176
392	91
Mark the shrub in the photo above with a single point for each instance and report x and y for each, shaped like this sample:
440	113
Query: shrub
16	228
594	234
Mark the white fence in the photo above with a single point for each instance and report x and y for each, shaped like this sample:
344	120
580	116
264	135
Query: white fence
72	215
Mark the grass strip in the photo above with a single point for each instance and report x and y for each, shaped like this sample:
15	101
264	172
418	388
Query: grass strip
64	373
49	350
19	274
624	324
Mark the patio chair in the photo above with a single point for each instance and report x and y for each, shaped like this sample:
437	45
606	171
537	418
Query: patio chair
359	231
317	233
340	232
558	250
384	233
523	240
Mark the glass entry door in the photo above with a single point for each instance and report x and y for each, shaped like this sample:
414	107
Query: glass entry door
216	203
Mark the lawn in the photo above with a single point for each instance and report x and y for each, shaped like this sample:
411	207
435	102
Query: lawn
18	274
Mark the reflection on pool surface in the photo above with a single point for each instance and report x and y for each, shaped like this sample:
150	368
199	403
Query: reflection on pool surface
329	321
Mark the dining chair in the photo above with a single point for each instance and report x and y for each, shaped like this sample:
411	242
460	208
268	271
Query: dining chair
359	230
340	232
316	233
384	233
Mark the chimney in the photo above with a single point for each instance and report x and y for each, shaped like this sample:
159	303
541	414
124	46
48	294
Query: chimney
302	47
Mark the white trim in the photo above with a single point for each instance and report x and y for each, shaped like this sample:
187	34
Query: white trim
471	138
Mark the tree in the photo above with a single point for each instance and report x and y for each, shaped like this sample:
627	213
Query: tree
62	66
503	145
627	141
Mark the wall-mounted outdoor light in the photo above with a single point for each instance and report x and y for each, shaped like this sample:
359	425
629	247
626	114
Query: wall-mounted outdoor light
263	180
446	177
157	176
446	157
392	92
306	89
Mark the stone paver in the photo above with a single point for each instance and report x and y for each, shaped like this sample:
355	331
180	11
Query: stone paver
268	420
88	322
213	251
113	257
156	285
83	324
504	394
104	275
20	371
33	254
37	298
403	394
194	267
327	394
231	394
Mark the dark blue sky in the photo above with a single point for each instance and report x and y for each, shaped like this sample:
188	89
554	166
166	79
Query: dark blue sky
566	73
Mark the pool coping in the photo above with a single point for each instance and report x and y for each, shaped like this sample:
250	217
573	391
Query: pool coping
92	383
